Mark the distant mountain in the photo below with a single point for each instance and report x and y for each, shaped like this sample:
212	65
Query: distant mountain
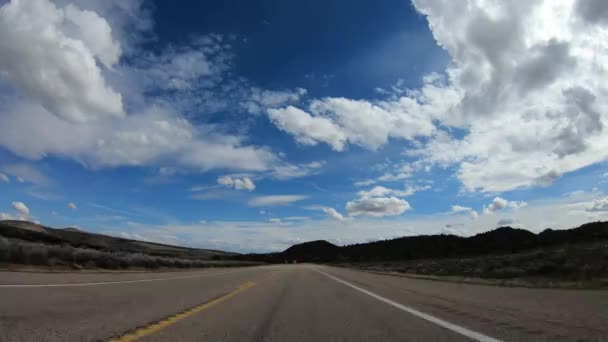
74	237
498	241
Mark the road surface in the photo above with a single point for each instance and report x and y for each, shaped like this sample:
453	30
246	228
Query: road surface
287	303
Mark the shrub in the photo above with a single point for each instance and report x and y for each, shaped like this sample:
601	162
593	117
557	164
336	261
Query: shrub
35	253
4	249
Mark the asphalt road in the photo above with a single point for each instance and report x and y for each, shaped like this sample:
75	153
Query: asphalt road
288	303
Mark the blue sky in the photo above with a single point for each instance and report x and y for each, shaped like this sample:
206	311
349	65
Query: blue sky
252	126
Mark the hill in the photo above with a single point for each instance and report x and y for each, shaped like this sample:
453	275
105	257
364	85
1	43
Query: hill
319	250
498	241
28	231
503	240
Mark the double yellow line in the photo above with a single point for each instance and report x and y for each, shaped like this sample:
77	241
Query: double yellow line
160	325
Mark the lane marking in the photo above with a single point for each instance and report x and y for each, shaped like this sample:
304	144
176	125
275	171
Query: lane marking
160	325
445	324
118	281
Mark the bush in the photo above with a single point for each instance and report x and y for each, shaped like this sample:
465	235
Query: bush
4	249
34	253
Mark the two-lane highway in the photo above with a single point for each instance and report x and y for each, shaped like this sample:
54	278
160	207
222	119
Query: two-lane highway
287	303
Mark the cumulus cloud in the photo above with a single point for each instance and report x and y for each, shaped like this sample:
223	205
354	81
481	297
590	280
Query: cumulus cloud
244	183
532	105
499	203
20	212
4	178
103	111
275	200
336	121
50	53
155	136
458	209
377	206
306	129
524	93
21	208
72	206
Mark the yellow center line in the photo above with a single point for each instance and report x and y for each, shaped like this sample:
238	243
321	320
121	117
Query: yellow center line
160	325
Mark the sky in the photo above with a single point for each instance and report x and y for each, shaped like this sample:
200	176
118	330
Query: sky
251	126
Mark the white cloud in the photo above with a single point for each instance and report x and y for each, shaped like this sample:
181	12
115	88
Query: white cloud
275	200
365	182
26	172
333	213
336	121
288	171
50	53
156	136
499	203
274	220
21	212
244	183
85	79
21	208
522	102
598	205
259	100
377	206
457	209
72	206
4	178
306	129
380	191
532	105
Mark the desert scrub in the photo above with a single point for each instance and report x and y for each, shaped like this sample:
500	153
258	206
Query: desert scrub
35	253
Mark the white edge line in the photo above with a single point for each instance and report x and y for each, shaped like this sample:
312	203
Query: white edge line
445	324
116	282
